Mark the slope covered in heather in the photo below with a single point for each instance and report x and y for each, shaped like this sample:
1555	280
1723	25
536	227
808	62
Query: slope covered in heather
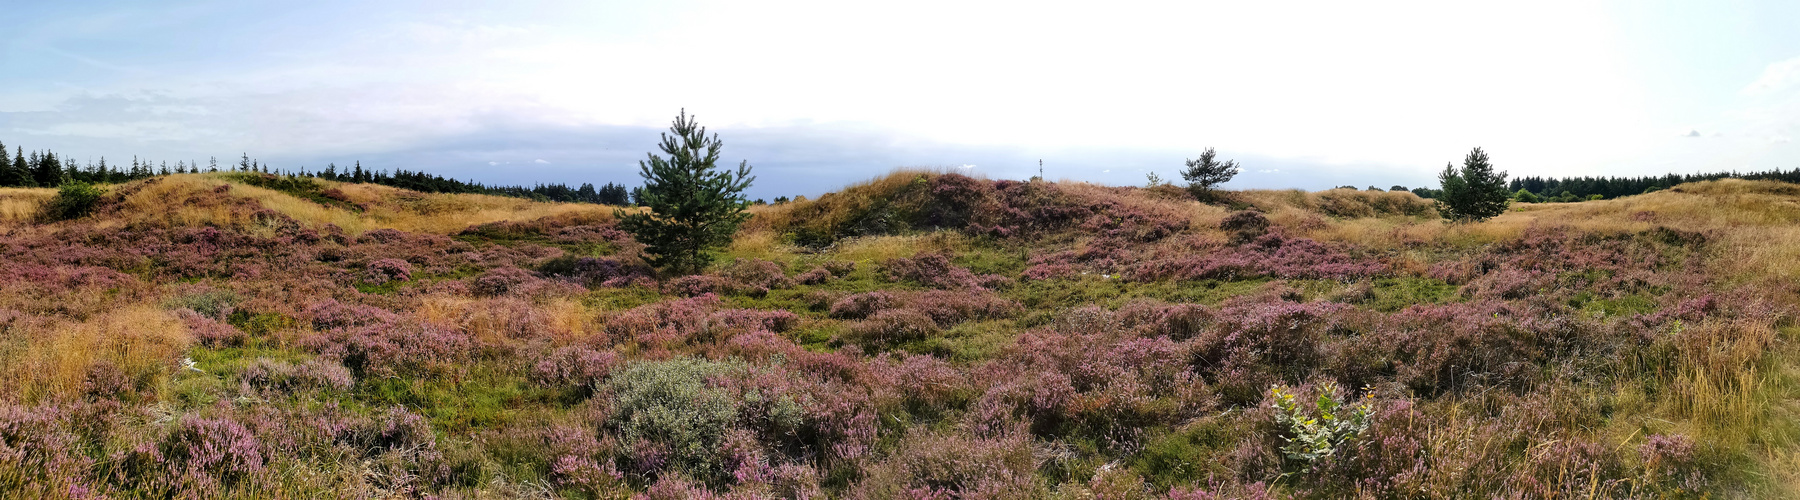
921	335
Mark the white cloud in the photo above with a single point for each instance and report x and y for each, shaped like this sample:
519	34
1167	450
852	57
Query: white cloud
1775	77
540	161
493	163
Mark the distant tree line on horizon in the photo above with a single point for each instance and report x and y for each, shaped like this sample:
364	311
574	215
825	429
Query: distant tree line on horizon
1568	189
46	169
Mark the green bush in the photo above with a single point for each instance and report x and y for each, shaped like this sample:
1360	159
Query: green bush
1330	425
73	200
669	403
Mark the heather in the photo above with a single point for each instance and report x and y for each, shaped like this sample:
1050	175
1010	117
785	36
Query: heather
922	335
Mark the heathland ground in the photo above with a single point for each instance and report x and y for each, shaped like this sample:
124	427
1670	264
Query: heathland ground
920	335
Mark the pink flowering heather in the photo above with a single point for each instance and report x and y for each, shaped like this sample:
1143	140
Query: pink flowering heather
385	270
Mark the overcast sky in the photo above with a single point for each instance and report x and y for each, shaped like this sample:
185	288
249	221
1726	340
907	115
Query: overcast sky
817	95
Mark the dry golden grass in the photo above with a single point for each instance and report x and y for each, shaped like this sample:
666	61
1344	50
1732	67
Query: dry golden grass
832	209
144	342
1753	222
20	205
492	322
763	244
164	202
441	213
1343	203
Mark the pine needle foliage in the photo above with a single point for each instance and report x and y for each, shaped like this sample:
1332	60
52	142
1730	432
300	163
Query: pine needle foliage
1475	192
693	205
1207	171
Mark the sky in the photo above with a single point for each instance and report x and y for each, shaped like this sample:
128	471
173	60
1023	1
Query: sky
820	95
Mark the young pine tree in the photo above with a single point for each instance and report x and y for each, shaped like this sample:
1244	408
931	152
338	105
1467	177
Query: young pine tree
1475	192
1207	171
693	205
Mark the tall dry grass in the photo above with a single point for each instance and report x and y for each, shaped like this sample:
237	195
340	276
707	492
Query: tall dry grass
166	201
52	361
444	213
835	208
495	321
21	205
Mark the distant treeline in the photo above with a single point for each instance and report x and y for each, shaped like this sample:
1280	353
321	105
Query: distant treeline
46	169
1596	188
609	194
1613	187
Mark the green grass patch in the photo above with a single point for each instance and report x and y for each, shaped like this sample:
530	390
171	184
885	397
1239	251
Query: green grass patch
1001	261
481	399
1114	292
219	371
794	300
1189	455
1620	306
817	336
1394	294
387	288
258	325
968	342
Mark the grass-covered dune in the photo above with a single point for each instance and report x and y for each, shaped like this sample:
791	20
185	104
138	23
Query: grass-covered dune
922	335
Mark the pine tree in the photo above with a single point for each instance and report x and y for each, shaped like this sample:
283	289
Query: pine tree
49	171
24	168
244	164
1205	172
1474	193
587	194
693	205
8	176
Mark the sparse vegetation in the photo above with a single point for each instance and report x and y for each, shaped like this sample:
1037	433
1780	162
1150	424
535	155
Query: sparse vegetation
920	335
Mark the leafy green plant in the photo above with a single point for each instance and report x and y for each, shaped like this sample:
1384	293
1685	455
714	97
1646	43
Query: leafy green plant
1321	434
